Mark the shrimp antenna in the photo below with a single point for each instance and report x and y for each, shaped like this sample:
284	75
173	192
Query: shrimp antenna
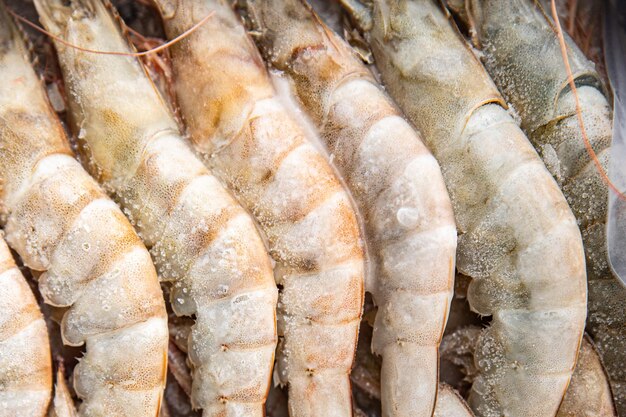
572	84
94	51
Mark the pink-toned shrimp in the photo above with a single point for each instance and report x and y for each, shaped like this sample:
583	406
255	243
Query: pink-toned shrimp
202	241
239	124
89	258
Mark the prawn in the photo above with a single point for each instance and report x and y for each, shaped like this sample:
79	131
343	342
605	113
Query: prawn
539	92
518	239
397	185
252	143
202	241
589	392
90	261
25	364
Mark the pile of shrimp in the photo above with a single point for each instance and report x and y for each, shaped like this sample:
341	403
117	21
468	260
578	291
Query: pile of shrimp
329	208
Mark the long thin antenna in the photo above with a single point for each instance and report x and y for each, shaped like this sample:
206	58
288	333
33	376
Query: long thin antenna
579	115
94	51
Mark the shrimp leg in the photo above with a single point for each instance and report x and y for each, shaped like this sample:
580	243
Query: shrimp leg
62	224
397	185
246	135
63	405
518	240
201	239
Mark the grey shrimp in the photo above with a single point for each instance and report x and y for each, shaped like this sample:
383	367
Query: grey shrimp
518	239
540	94
90	260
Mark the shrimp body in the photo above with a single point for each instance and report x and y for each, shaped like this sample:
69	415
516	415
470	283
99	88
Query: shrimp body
525	62
248	138
25	364
397	185
589	392
91	261
201	239
518	239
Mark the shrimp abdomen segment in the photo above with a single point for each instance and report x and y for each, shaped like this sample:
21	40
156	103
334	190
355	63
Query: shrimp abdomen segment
131	386
25	363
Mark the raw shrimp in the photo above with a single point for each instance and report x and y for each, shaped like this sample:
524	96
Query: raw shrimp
589	393
398	187
248	138
525	61
201	240
63	225
518	239
25	364
449	404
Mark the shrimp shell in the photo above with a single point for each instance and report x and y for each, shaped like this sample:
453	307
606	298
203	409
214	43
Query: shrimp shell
518	241
201	240
250	140
25	364
525	62
62	224
589	392
367	388
398	187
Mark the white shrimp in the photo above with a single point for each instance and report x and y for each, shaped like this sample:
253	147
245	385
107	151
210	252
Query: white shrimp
525	62
91	261
518	241
367	389
248	138
397	185
201	239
